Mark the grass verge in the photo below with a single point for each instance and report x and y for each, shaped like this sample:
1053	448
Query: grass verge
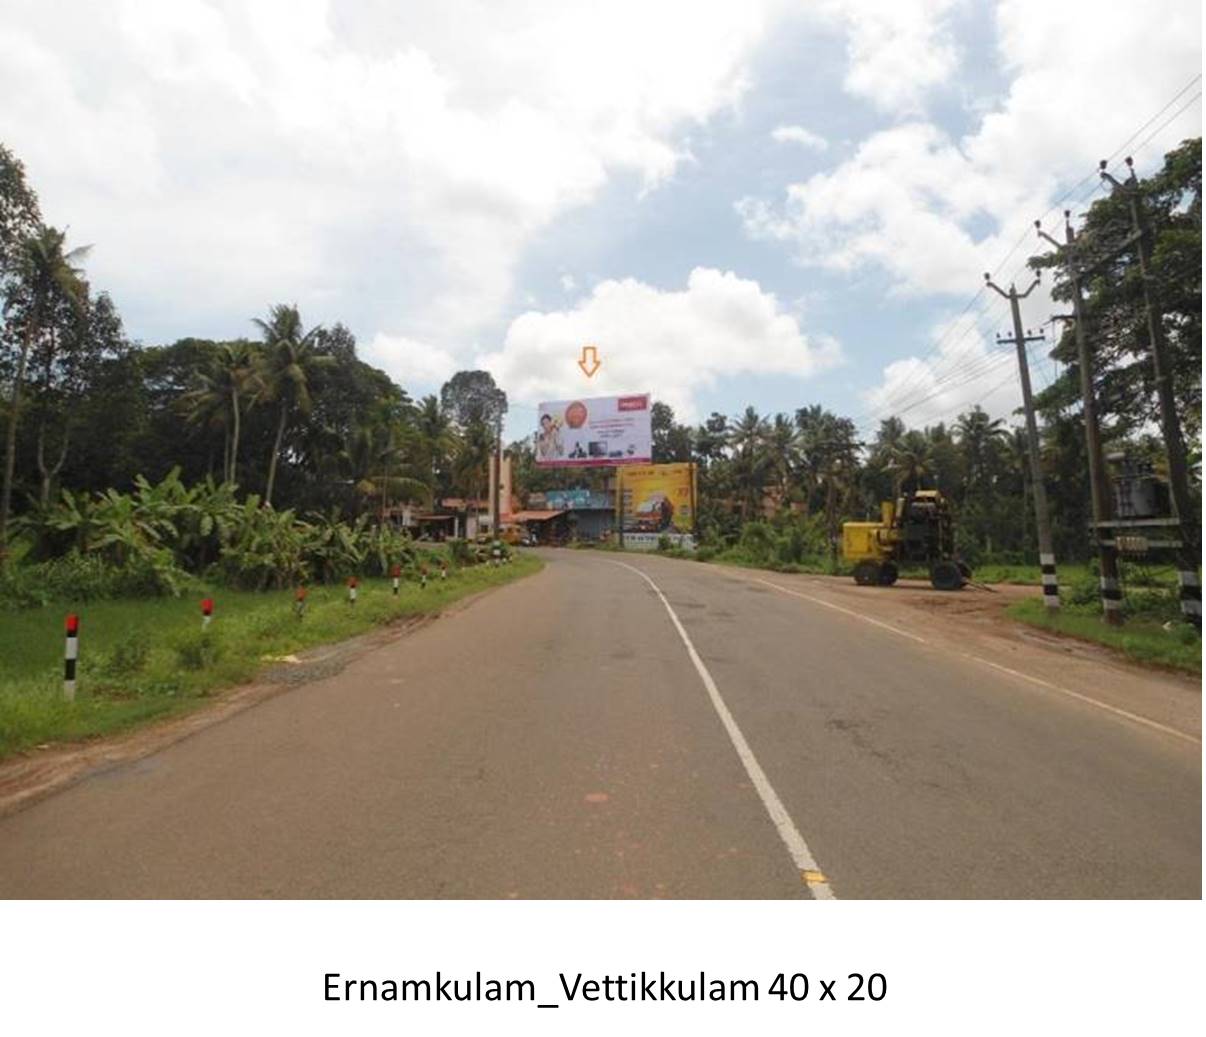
148	658
1144	641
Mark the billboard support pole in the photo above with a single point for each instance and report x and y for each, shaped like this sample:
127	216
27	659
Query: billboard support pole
694	502
620	503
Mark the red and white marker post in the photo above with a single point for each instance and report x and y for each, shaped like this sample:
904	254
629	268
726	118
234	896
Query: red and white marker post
353	584
423	575
207	612
395	573
443	568
71	654
299	602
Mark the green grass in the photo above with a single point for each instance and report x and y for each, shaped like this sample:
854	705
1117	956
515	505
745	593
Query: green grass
1142	640
147	658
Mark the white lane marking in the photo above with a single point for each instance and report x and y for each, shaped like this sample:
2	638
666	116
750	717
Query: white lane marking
1087	699
1134	717
796	846
848	612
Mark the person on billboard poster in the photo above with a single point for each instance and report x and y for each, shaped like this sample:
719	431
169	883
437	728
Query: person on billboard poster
549	446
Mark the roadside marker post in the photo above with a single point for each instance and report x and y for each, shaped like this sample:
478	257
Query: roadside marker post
395	573
443	569
353	584
423	576
207	612
299	602
71	653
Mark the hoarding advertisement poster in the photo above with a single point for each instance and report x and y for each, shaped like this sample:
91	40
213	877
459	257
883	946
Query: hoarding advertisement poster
608	430
658	499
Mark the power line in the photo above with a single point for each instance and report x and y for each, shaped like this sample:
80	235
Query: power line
909	385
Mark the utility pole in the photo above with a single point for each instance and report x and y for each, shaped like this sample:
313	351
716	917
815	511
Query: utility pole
1041	517
496	462
1107	555
1189	555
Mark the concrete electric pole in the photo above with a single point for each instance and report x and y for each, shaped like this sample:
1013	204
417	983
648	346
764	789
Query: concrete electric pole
1111	590
1042	517
1189	554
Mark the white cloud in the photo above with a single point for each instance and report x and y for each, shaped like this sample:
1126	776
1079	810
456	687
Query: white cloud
382	163
670	343
965	366
419	366
934	211
896	51
799	135
568	284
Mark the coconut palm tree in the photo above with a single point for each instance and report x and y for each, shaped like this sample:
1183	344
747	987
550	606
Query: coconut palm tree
784	456
288	360
747	443
912	461
471	467
224	388
373	459
47	274
435	437
981	439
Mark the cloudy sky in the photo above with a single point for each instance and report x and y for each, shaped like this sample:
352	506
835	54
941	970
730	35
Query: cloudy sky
745	202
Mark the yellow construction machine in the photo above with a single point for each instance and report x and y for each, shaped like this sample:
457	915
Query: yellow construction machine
916	529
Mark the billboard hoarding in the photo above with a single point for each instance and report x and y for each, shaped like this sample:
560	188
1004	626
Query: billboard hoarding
658	499
594	433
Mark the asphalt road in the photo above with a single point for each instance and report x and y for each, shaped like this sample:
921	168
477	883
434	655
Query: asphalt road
567	736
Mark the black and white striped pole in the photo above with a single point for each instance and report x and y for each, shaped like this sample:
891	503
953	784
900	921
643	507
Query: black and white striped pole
71	654
1050	580
1111	598
1191	595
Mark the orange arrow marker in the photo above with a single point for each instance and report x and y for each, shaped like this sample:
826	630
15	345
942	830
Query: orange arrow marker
590	361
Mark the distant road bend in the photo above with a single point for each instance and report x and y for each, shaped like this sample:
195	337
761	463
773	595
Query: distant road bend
630	726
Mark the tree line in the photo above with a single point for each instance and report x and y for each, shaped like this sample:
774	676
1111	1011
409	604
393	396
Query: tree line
292	415
289	413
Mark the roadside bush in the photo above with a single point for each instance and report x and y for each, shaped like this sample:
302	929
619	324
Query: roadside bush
663	543
705	554
757	543
127	657
197	649
461	552
77	577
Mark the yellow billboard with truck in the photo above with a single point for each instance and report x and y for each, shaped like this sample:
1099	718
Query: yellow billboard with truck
657	498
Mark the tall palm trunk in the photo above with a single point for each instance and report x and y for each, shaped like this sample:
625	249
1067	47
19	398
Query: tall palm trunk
234	443
48	474
276	452
10	440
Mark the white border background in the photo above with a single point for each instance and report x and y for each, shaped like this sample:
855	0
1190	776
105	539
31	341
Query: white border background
957	967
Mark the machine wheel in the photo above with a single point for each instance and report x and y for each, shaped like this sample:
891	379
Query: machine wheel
887	574
945	576
866	574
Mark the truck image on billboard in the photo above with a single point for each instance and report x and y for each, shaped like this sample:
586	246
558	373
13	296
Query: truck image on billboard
607	430
658	499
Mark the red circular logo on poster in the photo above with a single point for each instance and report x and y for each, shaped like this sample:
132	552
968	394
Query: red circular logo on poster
575	414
